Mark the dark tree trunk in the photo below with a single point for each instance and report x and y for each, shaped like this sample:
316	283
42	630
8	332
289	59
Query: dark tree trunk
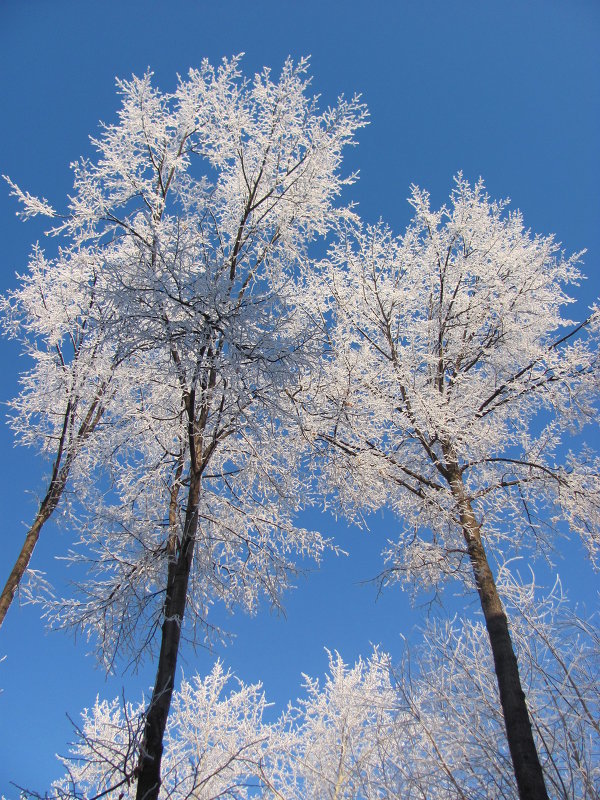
60	474
524	755
45	510
148	772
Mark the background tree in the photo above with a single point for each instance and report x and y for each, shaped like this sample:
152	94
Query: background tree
342	734
65	394
217	744
453	381
432	725
198	214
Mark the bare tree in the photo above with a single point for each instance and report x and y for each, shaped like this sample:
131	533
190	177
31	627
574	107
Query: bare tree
216	744
432	726
447	683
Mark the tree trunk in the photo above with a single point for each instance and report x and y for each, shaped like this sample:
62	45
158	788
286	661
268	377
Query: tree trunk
524	755
60	474
47	506
148	772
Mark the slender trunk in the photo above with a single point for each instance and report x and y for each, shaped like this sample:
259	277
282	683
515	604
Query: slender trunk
524	755
148	772
60	474
47	506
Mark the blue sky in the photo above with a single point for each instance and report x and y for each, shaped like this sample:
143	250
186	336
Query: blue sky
507	90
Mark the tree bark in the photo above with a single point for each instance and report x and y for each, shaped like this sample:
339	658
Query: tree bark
524	755
148	772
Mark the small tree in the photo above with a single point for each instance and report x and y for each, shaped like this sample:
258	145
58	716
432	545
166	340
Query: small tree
452	382
64	396
342	741
197	215
217	744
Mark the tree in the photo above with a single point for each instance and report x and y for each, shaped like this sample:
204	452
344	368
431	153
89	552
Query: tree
217	744
452	383
431	727
330	744
197	216
65	394
342	734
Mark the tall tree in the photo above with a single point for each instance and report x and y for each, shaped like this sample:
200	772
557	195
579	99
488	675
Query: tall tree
453	380
198	212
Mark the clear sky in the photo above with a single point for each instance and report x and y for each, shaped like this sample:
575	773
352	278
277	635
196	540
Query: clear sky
505	90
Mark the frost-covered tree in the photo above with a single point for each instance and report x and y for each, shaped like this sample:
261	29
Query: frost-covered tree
65	394
217	744
330	744
342	741
432	726
333	743
194	222
453	380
